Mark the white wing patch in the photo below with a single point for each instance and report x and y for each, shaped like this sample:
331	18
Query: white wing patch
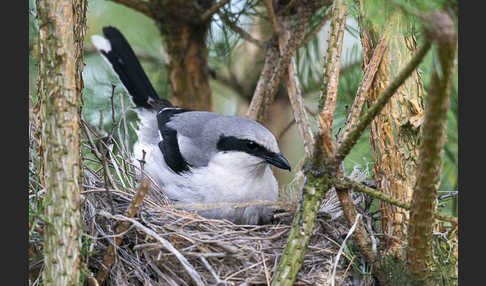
101	43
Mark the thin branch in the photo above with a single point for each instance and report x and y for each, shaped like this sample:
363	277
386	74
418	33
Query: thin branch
336	260
364	34
243	34
317	183
276	62
212	10
346	183
350	140
316	30
271	16
327	101
364	86
136	5
324	145
298	107
285	129
229	81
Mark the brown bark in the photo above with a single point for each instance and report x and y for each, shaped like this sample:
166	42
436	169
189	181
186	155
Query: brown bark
278	54
184	38
394	131
62	25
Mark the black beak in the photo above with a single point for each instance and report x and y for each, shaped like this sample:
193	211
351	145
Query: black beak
278	160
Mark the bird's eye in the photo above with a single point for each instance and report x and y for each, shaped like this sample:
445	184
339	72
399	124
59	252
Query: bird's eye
251	145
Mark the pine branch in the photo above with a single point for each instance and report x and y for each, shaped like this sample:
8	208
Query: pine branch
277	59
346	183
441	31
214	9
316	30
243	34
350	140
329	88
317	183
364	86
298	108
301	231
271	16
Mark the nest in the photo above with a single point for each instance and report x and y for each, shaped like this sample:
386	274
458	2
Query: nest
168	246
165	246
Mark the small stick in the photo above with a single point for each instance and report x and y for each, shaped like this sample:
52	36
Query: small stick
132	209
212	10
316	30
351	230
267	275
243	34
346	183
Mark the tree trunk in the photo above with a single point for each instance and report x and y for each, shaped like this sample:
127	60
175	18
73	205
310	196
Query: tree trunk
184	38
62	25
394	132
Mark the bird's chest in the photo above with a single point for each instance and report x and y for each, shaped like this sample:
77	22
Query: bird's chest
233	181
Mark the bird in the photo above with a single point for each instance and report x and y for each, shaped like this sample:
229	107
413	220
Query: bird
197	157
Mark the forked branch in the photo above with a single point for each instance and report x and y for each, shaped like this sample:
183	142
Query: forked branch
352	137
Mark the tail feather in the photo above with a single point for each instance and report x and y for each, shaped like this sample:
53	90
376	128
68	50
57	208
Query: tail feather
115	48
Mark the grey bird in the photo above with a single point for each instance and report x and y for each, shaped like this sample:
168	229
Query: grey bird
196	156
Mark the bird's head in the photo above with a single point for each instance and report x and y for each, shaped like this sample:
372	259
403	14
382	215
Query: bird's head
251	139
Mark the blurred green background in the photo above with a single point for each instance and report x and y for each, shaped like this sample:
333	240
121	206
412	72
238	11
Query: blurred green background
226	48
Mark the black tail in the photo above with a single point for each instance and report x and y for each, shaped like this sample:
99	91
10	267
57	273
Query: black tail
128	68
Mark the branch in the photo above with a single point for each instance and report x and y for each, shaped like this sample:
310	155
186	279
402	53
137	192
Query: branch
329	88
276	62
298	108
210	12
364	86
271	16
317	183
346	183
287	8
136	5
441	31
327	100
316	30
350	140
243	34
301	231
364	34
229	81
